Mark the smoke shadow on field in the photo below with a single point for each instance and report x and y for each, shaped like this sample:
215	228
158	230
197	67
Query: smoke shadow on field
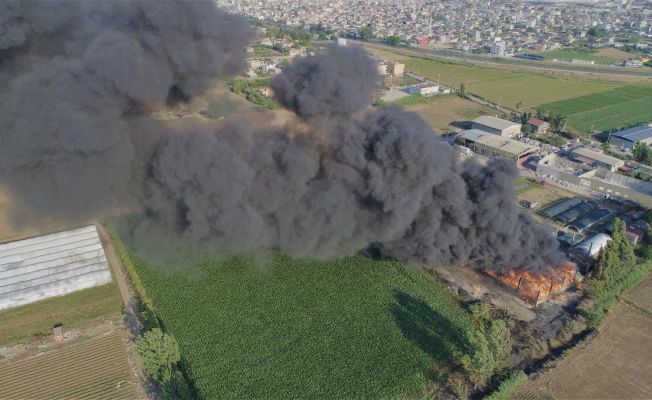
431	331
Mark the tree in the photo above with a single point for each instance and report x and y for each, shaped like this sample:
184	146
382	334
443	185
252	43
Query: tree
558	123
519	105
605	147
525	117
642	153
462	91
615	259
366	33
159	353
392	40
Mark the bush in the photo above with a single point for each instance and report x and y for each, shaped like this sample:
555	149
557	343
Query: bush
508	387
458	385
159	353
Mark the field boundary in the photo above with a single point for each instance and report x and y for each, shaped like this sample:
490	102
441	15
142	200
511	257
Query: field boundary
151	320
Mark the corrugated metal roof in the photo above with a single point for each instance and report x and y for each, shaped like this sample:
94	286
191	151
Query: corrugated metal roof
593	155
635	134
51	265
494	122
591	246
474	134
510	146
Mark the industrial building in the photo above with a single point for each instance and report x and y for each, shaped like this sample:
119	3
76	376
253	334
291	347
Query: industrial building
492	145
627	138
589	220
595	159
423	89
600	180
591	247
497	126
51	265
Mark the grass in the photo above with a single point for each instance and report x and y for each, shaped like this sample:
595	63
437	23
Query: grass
612	109
75	310
577	54
595	309
416	99
287	328
507	87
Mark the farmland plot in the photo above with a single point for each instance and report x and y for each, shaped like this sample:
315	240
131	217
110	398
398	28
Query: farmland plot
611	109
96	368
287	328
613	365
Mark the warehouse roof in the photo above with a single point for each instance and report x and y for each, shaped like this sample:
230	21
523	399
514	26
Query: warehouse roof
51	265
635	134
474	134
510	146
594	155
494	122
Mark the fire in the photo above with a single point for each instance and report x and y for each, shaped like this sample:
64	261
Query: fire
535	288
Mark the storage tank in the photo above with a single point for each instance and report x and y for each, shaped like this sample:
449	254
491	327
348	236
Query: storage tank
591	246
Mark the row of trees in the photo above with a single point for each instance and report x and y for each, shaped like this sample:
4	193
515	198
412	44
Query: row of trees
614	262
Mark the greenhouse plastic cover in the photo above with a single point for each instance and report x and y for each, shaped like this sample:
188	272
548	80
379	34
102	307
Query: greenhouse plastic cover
51	265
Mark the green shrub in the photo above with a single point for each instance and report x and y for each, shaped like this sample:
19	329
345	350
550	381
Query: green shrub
159	353
508	387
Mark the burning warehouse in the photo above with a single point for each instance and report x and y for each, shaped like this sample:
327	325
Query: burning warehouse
535	288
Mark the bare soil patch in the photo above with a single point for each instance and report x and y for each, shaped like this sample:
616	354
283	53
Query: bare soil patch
613	365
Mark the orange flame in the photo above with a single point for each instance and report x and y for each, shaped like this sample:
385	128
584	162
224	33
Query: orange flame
535	288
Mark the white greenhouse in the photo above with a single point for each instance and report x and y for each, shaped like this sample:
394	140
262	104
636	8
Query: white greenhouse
51	265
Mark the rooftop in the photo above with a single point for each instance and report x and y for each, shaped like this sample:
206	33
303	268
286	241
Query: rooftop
635	134
507	145
494	122
536	122
594	155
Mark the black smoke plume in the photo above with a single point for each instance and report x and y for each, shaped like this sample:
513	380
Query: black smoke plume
74	74
337	179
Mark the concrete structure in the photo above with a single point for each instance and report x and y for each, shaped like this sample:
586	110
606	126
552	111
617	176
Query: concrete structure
498	48
496	126
495	146
51	265
340	41
591	246
593	158
382	69
539	126
598	180
423	89
626	139
396	68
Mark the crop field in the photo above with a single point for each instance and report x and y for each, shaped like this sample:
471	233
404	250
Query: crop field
288	328
611	109
75	310
613	365
570	55
96	368
448	111
508	88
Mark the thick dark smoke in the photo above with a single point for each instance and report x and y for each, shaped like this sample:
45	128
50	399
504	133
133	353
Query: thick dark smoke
74	72
336	180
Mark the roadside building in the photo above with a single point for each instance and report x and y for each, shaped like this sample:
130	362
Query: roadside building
538	125
491	145
497	126
423	89
626	139
396	68
593	158
341	41
382	68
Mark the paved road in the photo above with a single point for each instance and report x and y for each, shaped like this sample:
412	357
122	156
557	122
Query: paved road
513	62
